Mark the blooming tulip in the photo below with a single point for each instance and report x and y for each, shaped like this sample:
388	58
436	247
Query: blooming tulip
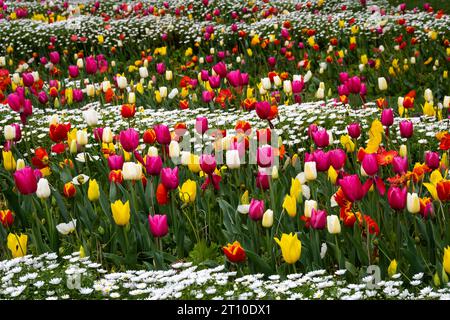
397	198
382	84
256	209
318	219
413	203
400	164
91	117
309	206
121	212
291	247
333	224
25	181
321	138
234	252
264	156
337	158
233	160
352	187
153	165
201	125
406	129
129	139
290	205
188	191
131	171
158	225
17	244
169	178
262	109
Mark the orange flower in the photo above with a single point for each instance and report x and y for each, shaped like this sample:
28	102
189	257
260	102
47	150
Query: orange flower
6	218
386	157
109	95
419	171
249	103
184	104
234	252
443	190
408	101
445	142
162	196
381	103
69	190
116	176
149	136
243	126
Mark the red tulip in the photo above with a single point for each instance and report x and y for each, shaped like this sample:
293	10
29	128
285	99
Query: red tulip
208	163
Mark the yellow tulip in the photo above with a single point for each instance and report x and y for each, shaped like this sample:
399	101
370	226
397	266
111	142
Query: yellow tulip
446	261
428	109
93	190
121	212
290	205
158	96
332	175
392	269
244	198
17	244
194	163
9	163
347	143
296	189
291	247
188	191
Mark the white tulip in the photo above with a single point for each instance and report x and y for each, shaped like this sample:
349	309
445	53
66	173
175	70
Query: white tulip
163	92
266	83
333	224
107	135
382	83
90	90
152	151
173	93
243	208
66	228
267	220
82	138
310	170
174	149
287	86
122	82
9	132
131	98
43	189
143	72
131	171
309	205
80	63
428	95
413	203
91	117
233	160
169	75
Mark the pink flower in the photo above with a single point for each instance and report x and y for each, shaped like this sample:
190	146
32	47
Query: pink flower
370	164
28	79
322	160
73	71
234	78
214	81
264	156
256	210
129	139
25	180
262	181
91	65
400	164
42	97
321	138
352	187
387	117
169	178
397	197
297	86
406	129
207	96
318	219
158	225
262	109
432	159
204	75
343	77
115	162
272	61
162	134
337	158
160	68
54	57
208	163
354	130
201	125
220	69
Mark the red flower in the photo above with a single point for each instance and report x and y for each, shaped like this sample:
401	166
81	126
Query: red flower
371	225
69	190
6	218
149	136
128	110
443	190
58	132
116	176
162	196
445	142
40	160
234	252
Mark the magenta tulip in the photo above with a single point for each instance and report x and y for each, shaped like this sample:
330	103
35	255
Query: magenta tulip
352	187
153	165
400	164
220	69
234	78
354	130
262	109
262	181
256	210
28	79
318	219
15	101
337	158
272	61
321	138
91	65
207	96
397	197
169	178
387	117
77	95
343	77
158	225
214	82
370	164
204	75
208	163
73	71
129	139
406	129
162	134
160	68
115	162
354	84
201	125
297	86
42	97
54	57
432	159
25	180
322	160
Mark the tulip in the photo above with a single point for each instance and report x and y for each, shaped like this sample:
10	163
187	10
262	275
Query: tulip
290	205
387	117
153	165
267	219
174	149
264	156
220	69
337	158
413	203
354	130
208	163
115	162
291	247
318	219
28	79
263	109
143	72
333	224
25	181
256	209
69	190
158	225
201	125
188	191
73	71
121	212
129	139
149	136
160	68
446	259
321	138
91	65
354	84
66	228
235	78
310	170
352	187
17	244
207	96
432	160
54	57
132	171
169	178
297	86
43	189
370	164
214	82
382	84
91	117
403	151
309	206
20	164
9	163
406	129
428	95
397	198
6	218
343	77
82	138
322	160
392	269
262	180
234	252
233	160
162	134
93	190
400	164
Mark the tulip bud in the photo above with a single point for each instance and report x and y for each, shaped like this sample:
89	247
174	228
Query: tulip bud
131	171
320	94
106	85
152	152
287	86
131	98
277	81
310	170
275	172
169	75
143	72
267	220
9	132
266	83
2	61
43	189
173	93
91	117
174	149
90	90
403	152
413	203
333	224
163	92
80	63
232	159
73	146
428	95
309	205
82	138
382	84
122	82
20	164
107	136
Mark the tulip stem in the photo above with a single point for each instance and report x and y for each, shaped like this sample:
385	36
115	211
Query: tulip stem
192	226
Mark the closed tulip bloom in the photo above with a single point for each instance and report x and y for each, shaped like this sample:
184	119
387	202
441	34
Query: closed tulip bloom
129	139
234	252
291	247
432	160
267	220
122	82
446	260
121	212
256	209
25	180
54	57
387	117
400	164
233	160
91	65
413	203
169	178
290	205
321	138
9	163
143	72
322	160
208	163
107	135
262	180
382	84
337	158
397	198
131	98
309	205
17	244
318	219
403	151
352	187
174	149
287	86
132	171
201	125
43	189
406	129
9	132
158	225
153	165
333	224
263	109
73	71
82	138
93	190
370	164
115	162
90	90
160	68
392	269
162	134
354	130
234	78
310	170
264	156
297	86
188	191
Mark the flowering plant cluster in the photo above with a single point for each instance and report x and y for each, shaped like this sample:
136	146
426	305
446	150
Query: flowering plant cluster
144	133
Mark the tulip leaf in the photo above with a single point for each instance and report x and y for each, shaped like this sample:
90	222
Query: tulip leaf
259	264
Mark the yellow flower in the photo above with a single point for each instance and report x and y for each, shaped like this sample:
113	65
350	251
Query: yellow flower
121	212
296	189
244	198
140	88
188	52
291	247
9	163
255	40
392	269
347	143
311	41
364	59
194	163
82	252
249	52
341	24
188	191
158	96
428	109
354	29
100	39
446	261
290	205
375	137
332	175
93	190
17	244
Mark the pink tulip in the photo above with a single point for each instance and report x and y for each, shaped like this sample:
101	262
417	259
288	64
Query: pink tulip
153	165
208	163
272	61
322	160
262	109
115	162
352	187
311	129
244	79
204	75
169	178
42	97
15	101
397	197
98	133
256	210
400	164
337	158
162	134
220	69
343	77
77	95
343	90
91	65
321	138
297	86
262	181
158	225
201	125
73	71
387	117
25	180
54	57
432	159
406	129
207	96
354	130
234	78
28	79
264	156
370	164
285	33
318	219
129	139
18	132
214	82
354	84
160	68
